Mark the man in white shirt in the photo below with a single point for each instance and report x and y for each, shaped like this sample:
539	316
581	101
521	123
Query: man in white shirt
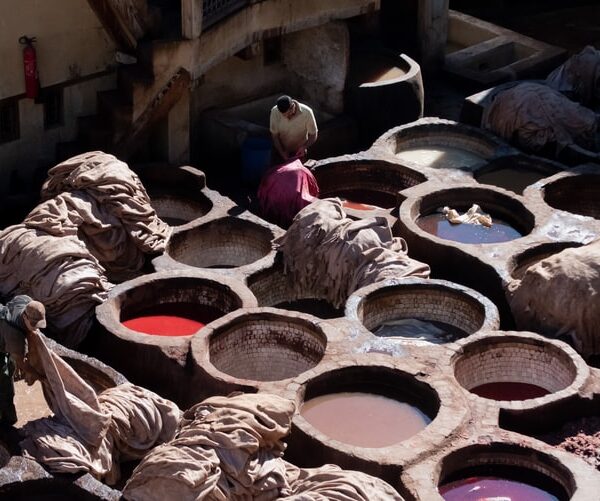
293	129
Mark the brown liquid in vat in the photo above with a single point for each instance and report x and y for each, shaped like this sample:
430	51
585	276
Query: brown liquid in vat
466	233
364	419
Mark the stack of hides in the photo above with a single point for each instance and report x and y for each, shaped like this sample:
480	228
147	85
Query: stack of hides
559	296
96	224
331	255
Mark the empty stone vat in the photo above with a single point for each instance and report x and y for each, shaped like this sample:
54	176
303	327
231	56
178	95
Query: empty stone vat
229	242
517	367
501	470
433	143
166	308
422	311
257	345
273	288
177	194
516	172
575	193
364	184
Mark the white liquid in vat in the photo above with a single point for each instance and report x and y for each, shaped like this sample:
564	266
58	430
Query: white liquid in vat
440	157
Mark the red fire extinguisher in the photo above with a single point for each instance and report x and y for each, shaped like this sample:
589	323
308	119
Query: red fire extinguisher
32	82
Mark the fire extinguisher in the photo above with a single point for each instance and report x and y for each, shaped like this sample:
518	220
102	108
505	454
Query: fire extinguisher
32	82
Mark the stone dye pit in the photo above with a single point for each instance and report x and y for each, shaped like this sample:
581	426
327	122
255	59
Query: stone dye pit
575	192
516	173
439	144
149	321
508	368
223	243
510	218
364	185
453	311
177	194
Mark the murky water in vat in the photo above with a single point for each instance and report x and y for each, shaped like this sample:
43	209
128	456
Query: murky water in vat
438	225
412	329
440	157
506	390
364	419
515	180
493	489
172	319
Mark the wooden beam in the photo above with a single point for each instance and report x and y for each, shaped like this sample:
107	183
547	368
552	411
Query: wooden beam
158	109
191	18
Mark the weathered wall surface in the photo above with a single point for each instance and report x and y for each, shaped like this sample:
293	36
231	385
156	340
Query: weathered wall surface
70	42
318	58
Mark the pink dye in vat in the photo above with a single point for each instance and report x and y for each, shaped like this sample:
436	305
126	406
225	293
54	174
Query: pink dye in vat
364	419
493	488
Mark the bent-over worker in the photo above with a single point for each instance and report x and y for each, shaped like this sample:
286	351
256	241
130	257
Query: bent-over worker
293	129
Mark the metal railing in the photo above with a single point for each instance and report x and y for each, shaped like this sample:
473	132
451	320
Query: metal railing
215	10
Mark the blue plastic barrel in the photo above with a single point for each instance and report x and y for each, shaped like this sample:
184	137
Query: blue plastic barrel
256	157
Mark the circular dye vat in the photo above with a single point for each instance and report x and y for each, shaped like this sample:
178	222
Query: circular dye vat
364	419
437	156
507	390
172	319
437	224
493	489
423	331
513	179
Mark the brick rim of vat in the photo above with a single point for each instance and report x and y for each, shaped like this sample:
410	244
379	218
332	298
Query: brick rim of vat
572	473
462	349
410	211
488	144
356	302
452	413
165	262
200	343
108	313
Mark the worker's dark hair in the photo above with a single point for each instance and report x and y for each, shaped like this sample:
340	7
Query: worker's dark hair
284	103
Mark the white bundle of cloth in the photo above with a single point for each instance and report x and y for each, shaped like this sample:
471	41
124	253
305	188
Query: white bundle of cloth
230	449
59	272
96	196
535	116
89	432
332	255
473	216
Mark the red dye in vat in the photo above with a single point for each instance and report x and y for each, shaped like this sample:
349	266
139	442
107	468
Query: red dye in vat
509	391
364	419
172	319
349	204
493	488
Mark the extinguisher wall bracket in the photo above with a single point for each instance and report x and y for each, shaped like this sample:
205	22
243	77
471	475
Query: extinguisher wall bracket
25	40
